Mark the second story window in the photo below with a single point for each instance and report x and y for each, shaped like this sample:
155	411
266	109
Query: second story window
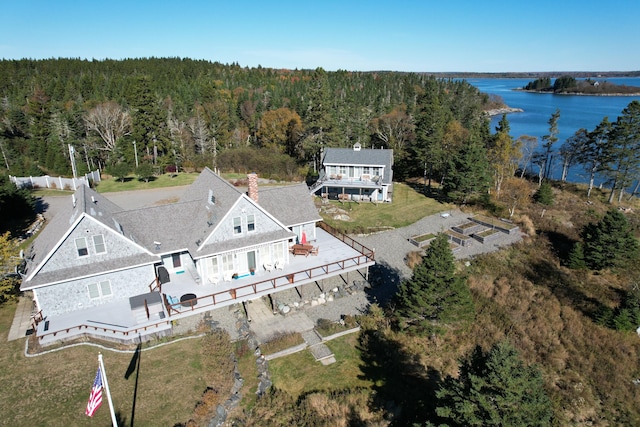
98	244
81	247
237	225
251	223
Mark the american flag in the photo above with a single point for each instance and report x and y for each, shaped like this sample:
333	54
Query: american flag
95	398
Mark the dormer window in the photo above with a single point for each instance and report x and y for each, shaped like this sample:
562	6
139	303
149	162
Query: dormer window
212	198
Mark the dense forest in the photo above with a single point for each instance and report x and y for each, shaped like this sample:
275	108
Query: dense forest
185	114
157	115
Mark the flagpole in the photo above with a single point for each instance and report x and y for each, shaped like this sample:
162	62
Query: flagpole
105	383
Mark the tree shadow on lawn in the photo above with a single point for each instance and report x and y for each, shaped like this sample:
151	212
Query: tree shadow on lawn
384	281
430	192
403	387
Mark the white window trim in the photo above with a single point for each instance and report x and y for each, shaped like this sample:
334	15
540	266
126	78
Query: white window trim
95	247
86	247
252	222
99	288
237	233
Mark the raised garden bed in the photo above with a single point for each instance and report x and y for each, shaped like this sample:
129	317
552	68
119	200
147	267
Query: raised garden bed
422	239
504	226
459	238
487	235
468	228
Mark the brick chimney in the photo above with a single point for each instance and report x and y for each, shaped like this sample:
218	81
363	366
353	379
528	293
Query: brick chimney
253	186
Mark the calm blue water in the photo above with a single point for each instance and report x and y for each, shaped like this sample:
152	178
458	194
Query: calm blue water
575	111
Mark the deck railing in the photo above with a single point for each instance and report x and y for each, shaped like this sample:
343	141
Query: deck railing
105	331
347	240
260	287
365	256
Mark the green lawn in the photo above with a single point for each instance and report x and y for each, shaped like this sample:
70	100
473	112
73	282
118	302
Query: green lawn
132	183
52	389
408	206
299	373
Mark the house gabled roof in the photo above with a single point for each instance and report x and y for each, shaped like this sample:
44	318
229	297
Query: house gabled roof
83	201
362	157
158	230
289	205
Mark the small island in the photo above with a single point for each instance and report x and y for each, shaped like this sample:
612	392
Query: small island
568	85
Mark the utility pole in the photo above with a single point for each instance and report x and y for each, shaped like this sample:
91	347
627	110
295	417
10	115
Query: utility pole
135	153
73	160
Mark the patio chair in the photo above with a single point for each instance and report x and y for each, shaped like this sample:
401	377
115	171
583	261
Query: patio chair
279	265
268	266
315	250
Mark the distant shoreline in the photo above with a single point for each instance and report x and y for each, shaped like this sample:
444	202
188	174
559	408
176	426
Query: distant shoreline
504	110
546	92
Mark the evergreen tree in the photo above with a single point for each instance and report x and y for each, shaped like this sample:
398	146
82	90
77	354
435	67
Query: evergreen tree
495	389
120	170
624	150
564	83
16	205
544	195
145	171
317	118
576	257
467	174
593	156
609	243
548	141
434	296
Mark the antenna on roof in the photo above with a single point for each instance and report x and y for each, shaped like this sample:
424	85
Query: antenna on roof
157	245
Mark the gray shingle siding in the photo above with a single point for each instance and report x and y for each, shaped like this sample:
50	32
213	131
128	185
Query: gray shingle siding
67	254
136	240
73	295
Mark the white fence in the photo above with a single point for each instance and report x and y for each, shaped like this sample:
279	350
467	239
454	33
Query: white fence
58	183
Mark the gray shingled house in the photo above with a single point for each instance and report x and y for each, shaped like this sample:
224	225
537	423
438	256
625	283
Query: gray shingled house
99	270
357	173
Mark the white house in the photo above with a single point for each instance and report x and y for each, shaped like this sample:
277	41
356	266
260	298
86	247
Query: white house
356	174
100	270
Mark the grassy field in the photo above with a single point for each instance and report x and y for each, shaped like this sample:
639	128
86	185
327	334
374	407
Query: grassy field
300	373
132	183
52	389
408	206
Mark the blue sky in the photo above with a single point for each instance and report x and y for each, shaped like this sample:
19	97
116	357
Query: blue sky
445	35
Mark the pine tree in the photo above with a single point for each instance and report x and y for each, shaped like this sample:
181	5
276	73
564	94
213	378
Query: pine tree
495	389
544	195
609	243
467	174
434	296
549	140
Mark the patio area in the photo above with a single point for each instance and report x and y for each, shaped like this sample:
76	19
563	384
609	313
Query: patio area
187	294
